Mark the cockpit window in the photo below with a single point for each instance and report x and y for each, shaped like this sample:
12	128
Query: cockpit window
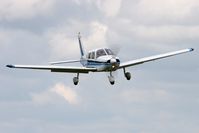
100	52
93	55
109	52
89	56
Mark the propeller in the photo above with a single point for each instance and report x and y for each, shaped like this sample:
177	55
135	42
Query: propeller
115	48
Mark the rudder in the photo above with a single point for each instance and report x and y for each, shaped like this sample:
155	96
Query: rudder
80	46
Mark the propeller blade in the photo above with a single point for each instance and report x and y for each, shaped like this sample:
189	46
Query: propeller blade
115	49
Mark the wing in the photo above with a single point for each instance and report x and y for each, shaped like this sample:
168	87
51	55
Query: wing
52	68
152	58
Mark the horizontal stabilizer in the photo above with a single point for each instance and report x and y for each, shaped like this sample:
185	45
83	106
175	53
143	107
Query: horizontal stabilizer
63	62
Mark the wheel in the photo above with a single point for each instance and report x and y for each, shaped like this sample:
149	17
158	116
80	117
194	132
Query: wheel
112	83
111	80
128	75
75	80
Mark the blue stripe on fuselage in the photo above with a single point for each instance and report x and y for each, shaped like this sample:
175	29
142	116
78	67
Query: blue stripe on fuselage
90	62
103	66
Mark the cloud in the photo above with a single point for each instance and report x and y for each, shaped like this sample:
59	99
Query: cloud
66	92
97	37
44	97
160	12
62	46
165	37
24	9
154	37
144	96
56	95
109	7
63	43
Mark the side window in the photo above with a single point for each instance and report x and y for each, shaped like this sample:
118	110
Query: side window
89	55
93	55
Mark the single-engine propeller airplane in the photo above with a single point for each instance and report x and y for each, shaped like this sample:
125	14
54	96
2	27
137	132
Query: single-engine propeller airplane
98	60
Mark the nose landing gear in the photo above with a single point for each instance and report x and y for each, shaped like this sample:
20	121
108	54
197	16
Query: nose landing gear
111	79
76	79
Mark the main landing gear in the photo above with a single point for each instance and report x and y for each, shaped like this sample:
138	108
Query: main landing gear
127	74
111	79
76	79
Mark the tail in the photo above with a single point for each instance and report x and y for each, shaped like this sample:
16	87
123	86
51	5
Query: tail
81	47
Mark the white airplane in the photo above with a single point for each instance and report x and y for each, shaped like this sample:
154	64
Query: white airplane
98	60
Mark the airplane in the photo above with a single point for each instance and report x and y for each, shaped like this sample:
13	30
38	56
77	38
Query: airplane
98	60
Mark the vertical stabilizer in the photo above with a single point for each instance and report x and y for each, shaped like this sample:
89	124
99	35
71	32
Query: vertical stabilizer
80	46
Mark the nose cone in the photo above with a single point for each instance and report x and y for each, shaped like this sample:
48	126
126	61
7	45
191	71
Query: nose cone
113	60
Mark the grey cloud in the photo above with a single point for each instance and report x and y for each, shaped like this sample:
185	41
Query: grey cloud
11	10
180	12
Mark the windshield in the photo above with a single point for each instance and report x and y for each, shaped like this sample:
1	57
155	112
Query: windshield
100	52
109	52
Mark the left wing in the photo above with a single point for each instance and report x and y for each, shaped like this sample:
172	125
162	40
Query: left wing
52	68
152	58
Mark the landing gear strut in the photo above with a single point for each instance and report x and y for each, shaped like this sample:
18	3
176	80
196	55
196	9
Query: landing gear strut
76	79
127	74
111	79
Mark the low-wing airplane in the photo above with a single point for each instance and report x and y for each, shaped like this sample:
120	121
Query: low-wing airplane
98	60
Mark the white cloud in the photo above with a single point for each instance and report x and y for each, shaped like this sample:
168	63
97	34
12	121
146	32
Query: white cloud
56	95
163	12
165	37
66	92
177	8
24	9
155	37
20	38
110	7
97	37
64	45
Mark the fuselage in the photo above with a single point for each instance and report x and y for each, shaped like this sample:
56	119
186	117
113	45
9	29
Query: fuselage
103	59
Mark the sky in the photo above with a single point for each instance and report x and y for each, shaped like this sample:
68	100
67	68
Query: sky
163	96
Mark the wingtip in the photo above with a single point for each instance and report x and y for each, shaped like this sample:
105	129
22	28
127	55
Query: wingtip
191	49
10	66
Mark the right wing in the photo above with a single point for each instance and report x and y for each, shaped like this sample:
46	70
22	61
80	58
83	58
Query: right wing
152	58
52	68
